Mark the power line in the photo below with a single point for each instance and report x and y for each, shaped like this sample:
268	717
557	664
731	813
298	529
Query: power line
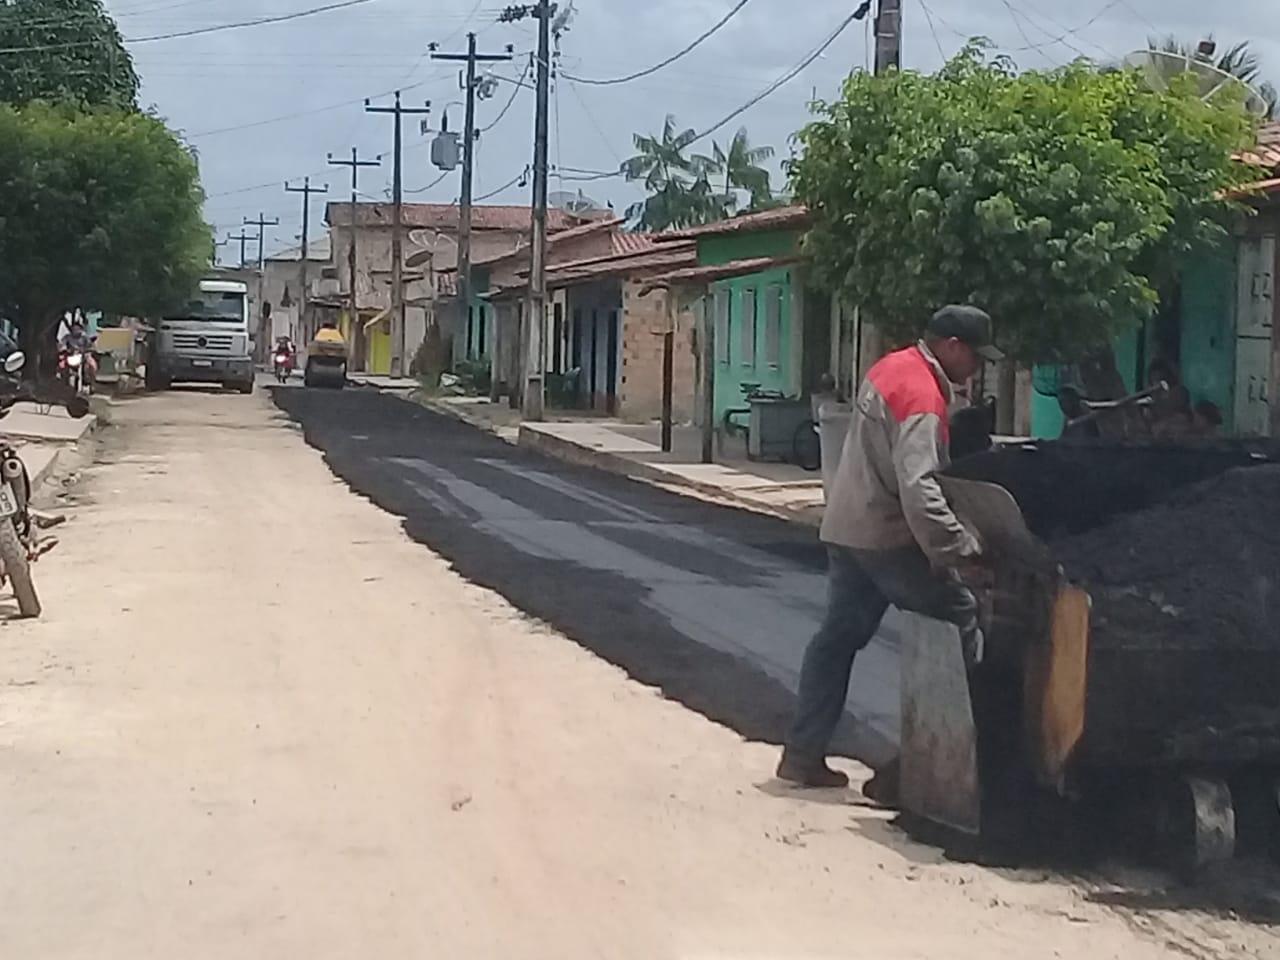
434	183
786	77
515	91
194	32
1067	32
591	118
301	113
670	60
522	175
933	30
1029	10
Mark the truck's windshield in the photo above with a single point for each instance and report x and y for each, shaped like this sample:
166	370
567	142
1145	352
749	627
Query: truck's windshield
225	306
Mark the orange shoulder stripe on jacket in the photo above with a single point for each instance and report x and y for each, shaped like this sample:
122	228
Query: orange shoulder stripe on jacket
908	385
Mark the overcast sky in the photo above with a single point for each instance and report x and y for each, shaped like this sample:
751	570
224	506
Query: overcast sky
219	89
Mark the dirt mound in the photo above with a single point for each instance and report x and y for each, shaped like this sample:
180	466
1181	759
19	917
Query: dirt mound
1199	569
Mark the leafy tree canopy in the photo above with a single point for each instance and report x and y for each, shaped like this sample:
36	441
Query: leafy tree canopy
100	209
681	192
71	51
1061	201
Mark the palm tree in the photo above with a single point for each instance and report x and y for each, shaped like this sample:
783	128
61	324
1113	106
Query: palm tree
679	185
741	166
1239	60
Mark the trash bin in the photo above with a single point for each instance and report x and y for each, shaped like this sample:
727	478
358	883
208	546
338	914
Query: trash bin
833	428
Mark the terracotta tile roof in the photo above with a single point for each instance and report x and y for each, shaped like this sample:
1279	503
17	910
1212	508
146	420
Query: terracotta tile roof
721	271
630	265
633	242
1267	152
445	216
795	215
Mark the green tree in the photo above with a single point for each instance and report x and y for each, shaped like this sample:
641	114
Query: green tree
679	185
741	166
100	209
1061	201
1239	60
70	50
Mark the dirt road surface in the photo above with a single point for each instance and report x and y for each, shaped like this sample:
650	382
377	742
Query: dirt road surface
258	721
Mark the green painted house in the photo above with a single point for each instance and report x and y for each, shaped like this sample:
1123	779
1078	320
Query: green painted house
769	330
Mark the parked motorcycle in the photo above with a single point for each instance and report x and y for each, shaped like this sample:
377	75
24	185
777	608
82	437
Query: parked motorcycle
18	541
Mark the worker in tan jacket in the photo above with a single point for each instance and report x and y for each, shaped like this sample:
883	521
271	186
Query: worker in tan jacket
891	536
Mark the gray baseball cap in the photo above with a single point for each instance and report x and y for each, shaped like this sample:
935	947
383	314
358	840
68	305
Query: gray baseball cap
971	325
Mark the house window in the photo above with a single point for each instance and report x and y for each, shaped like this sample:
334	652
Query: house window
484	329
722	325
749	326
773	326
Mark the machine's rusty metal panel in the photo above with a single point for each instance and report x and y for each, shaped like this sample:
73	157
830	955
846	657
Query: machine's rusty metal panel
1057	676
939	767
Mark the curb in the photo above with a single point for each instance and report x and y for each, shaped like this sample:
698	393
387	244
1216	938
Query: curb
452	411
561	449
568	452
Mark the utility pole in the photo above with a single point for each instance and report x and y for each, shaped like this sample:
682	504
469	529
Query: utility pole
243	238
399	366
532	395
471	58
357	335
218	245
261	223
533	388
306	190
888	35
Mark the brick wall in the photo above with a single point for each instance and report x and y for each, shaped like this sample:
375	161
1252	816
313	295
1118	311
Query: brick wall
640	386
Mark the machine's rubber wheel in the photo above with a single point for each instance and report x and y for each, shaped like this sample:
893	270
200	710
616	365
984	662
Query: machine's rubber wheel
308	378
1197	823
18	570
155	382
245	387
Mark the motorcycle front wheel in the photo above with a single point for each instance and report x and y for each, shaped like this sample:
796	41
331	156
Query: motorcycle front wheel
18	569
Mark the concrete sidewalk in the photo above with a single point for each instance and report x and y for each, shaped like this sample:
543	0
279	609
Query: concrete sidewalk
633	450
51	425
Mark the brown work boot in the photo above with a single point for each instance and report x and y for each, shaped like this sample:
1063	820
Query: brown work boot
810	773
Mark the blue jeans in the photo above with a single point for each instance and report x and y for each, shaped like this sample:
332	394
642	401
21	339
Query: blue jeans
861	584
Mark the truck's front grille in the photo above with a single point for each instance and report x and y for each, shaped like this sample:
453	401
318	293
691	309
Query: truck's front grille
212	342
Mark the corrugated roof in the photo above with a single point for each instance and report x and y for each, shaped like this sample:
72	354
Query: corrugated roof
629	265
445	216
795	215
722	271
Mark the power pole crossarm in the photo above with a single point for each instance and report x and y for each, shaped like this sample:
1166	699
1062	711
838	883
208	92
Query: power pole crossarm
399	365
261	223
243	238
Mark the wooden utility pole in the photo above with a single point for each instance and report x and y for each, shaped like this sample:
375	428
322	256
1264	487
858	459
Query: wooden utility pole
261	223
534	395
668	368
471	58
707	373
306	190
355	163
243	238
888	35
399	366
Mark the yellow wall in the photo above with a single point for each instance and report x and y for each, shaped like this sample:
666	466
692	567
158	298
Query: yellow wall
379	339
